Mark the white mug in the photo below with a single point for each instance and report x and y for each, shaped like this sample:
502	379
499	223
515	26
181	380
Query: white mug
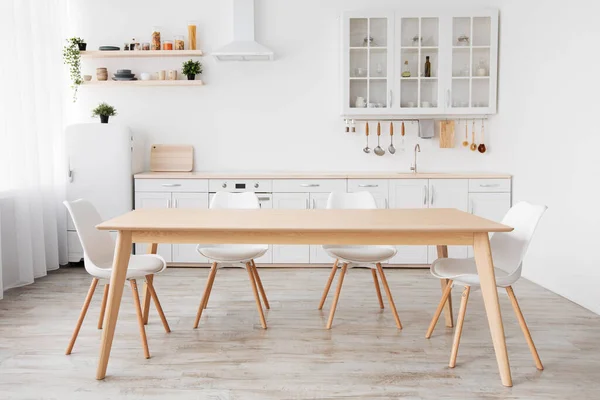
162	74
425	104
360	102
145	76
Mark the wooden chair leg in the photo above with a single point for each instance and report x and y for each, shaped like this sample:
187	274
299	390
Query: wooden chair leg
103	306
389	296
204	301
377	288
524	328
440	307
459	325
263	322
140	316
328	284
161	314
210	288
86	305
146	302
337	296
260	286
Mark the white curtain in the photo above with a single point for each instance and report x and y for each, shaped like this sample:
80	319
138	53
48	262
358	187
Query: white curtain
32	167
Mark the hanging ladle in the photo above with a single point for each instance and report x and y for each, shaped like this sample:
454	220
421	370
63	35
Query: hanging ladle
367	149
378	150
481	147
473	145
391	148
466	141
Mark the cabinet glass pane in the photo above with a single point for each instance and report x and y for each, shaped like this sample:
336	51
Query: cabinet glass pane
378	32
481	31
461	31
358	93
409	93
358	31
378	63
480	92
409	36
481	62
377	93
429	91
461	62
429	32
460	93
358	63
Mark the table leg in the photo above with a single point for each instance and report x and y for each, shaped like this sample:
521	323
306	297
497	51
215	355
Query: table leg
485	269
146	310
442	252
115	292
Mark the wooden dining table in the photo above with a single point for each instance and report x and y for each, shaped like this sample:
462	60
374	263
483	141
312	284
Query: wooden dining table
440	227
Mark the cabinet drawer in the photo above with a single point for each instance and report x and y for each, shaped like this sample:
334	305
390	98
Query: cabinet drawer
309	185
171	185
489	185
369	185
242	185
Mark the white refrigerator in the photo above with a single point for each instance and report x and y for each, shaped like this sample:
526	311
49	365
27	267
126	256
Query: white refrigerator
102	159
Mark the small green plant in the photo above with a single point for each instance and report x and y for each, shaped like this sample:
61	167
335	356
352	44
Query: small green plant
192	67
104	110
72	58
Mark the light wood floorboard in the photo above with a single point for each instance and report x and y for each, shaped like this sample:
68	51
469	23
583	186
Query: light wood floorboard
230	356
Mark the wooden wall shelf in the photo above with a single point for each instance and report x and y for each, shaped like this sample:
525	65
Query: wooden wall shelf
142	53
112	83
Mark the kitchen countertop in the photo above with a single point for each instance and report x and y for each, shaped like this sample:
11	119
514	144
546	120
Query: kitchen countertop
317	175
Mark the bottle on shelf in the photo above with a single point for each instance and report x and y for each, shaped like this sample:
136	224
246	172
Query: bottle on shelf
406	70
427	71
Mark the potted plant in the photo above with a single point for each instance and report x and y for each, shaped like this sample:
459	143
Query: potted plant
104	111
72	58
191	68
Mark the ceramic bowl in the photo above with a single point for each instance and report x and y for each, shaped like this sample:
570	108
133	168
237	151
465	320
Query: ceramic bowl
145	76
87	78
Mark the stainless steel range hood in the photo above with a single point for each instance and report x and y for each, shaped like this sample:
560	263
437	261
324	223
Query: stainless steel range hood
243	47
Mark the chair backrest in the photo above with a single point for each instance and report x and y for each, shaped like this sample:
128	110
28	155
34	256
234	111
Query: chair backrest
98	246
353	201
242	200
509	248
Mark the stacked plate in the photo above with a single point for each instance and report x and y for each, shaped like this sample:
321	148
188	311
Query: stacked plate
124	75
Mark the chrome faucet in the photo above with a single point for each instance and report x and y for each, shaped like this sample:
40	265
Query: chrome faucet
413	167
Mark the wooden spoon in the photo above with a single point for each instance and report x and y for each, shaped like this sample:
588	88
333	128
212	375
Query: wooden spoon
367	149
378	150
402	133
481	147
473	145
391	148
466	141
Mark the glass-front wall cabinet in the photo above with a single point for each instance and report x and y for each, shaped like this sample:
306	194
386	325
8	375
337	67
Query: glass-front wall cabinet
410	64
368	61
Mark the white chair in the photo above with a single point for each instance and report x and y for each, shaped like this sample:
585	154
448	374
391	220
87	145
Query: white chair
508	250
351	256
234	254
98	252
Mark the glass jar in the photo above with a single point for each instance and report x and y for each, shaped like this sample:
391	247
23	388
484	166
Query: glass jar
179	42
191	35
168	45
146	46
155	43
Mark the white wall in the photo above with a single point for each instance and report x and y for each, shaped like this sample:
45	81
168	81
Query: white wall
285	115
548	98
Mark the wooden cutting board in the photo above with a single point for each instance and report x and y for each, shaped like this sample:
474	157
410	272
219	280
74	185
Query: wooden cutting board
171	158
446	134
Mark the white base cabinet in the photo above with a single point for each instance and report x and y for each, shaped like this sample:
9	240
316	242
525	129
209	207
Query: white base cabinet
488	198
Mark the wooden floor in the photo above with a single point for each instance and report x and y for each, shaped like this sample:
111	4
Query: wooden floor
229	356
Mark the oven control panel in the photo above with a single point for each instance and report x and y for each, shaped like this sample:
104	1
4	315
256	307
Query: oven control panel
262	186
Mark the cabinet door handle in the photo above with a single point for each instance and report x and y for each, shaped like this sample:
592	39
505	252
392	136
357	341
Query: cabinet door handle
391	99
171	184
387	204
314	204
432	192
310	185
169	203
367	186
264	198
424	195
307	205
176	203
472	207
448	98
489	185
